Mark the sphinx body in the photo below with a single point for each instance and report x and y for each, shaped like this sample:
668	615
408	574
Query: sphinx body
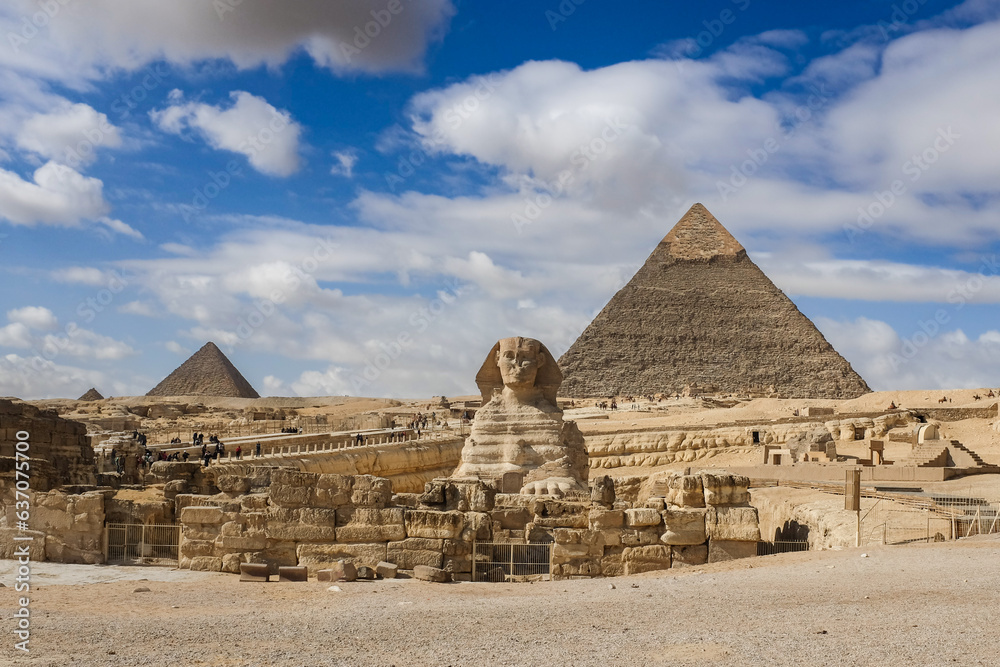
520	428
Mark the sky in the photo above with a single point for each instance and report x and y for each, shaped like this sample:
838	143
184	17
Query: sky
361	197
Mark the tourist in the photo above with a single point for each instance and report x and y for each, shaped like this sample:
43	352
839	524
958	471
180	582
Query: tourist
185	456
360	439
239	452
257	450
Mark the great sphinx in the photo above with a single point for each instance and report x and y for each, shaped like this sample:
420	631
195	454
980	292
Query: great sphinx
520	428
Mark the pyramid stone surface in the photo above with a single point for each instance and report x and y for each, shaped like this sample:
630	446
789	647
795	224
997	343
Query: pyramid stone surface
700	312
91	395
206	373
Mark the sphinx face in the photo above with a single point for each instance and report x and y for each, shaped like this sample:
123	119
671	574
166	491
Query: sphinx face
519	360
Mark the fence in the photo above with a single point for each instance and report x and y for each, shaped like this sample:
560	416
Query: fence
499	562
781	547
141	544
933	519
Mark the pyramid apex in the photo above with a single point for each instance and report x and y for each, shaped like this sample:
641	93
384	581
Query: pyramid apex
699	235
207	372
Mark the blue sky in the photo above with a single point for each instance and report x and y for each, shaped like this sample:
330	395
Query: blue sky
366	214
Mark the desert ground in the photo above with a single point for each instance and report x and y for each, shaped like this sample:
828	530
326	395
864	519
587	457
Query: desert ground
931	604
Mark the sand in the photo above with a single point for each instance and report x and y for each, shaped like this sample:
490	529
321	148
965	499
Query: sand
913	605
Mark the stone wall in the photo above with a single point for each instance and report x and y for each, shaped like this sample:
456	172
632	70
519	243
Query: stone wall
67	528
317	520
59	452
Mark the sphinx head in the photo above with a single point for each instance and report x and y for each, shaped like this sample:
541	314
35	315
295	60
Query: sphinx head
522	365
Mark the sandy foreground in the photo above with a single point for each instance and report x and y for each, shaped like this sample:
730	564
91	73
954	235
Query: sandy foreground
906	605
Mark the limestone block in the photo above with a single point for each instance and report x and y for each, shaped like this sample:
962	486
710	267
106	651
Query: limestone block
433	524
253	503
206	564
589	567
411	500
234	485
294	478
321	556
198	531
386	570
642	517
602	491
732	524
723	550
685	491
434	574
601	519
301	525
371	491
194	548
684	527
688	556
477	527
9	547
640	537
360	524
658	504
244	543
232	562
289	496
332	491
433	493
646	559
411	552
341	571
725	489
611	562
202	514
612	537
511	518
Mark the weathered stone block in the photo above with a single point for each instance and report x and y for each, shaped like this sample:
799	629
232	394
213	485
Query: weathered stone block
725	489
409	553
511	518
601	519
723	550
332	491
642	517
195	548
254	503
688	556
646	559
206	564
732	524
684	527
432	524
640	537
231	562
321	556
611	562
341	571
290	496
387	570
248	543
685	491
360	524
203	514
371	491
434	574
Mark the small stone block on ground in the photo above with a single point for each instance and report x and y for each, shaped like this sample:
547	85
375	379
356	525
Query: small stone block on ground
254	572
428	573
325	575
365	572
387	570
293	573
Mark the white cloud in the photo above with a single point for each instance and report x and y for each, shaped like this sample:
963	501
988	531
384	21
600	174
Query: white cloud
143	308
70	136
36	317
16	335
177	348
947	359
83	275
84	40
120	227
36	377
58	195
268	137
344	165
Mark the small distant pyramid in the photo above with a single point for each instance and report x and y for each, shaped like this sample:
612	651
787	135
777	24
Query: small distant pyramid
206	373
91	395
700	313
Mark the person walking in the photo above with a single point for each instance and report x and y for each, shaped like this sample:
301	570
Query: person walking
257	450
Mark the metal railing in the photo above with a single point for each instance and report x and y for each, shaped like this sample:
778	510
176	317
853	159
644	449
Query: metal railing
781	547
502	561
141	543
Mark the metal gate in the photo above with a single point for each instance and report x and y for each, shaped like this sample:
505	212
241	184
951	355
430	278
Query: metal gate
141	544
501	561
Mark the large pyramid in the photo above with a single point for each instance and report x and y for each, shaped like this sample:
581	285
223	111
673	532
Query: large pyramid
206	373
700	312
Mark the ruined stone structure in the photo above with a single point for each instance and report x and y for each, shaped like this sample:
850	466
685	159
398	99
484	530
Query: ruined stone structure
59	451
206	373
317	520
520	429
701	313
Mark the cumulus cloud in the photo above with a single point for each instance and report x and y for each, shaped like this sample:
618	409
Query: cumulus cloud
359	35
269	138
948	359
36	317
32	377
57	195
70	136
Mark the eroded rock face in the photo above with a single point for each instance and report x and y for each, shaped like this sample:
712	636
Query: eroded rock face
520	429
